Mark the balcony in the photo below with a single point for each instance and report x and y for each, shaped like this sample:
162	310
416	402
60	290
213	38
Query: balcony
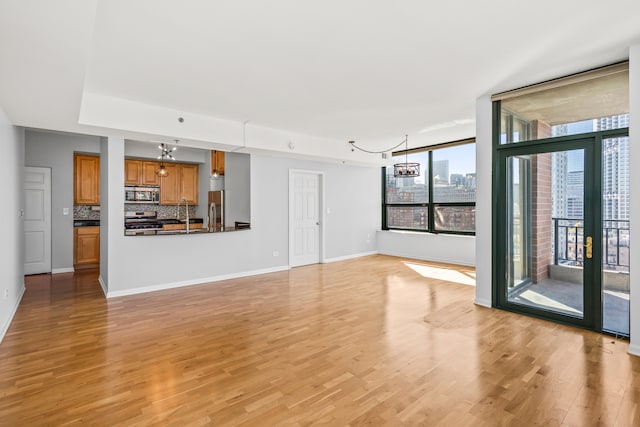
562	291
568	241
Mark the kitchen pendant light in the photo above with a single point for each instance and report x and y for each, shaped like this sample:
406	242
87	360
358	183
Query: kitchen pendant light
400	170
162	172
215	174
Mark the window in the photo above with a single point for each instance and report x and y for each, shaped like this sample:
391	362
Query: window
579	104
442	199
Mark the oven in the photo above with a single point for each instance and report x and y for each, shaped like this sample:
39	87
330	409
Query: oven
142	195
141	223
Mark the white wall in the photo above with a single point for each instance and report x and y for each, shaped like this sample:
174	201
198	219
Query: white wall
117	113
104	207
12	259
113	220
634	138
452	249
150	150
55	150
143	263
484	183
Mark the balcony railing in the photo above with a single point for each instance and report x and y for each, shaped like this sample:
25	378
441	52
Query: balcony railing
568	243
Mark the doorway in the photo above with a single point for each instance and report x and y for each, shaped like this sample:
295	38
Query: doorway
563	232
305	218
37	220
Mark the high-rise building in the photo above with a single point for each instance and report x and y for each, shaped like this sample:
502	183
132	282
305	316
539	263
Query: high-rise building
567	189
567	168
441	171
559	184
615	169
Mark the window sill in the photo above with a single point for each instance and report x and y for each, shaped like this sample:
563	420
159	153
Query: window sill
426	233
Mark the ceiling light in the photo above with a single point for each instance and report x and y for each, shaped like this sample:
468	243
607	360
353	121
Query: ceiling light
165	153
162	172
406	169
400	170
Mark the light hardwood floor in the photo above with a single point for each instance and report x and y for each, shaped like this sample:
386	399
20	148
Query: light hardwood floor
373	341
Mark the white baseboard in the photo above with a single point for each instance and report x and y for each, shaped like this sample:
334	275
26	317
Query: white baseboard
103	285
201	281
352	256
434	259
634	349
5	327
62	270
483	302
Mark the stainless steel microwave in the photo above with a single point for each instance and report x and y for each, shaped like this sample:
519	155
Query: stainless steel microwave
142	194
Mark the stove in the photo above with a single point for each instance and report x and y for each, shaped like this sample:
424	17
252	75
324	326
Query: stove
137	222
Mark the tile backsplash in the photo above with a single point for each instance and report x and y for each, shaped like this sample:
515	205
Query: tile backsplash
86	212
89	212
163	211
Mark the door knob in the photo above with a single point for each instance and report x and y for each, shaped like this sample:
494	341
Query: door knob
589	247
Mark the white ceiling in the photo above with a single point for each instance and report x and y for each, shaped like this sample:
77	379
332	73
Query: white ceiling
370	71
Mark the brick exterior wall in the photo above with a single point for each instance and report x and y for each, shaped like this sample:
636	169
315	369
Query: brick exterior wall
541	207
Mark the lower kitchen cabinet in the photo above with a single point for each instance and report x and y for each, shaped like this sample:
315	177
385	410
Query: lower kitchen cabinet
86	247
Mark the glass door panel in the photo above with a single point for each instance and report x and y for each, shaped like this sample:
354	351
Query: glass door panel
546	238
615	235
518	195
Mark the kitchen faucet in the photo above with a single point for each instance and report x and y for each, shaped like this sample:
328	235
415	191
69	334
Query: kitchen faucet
186	209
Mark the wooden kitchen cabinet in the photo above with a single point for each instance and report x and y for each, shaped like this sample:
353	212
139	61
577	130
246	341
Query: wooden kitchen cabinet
217	162
169	188
86	247
141	172
132	172
86	182
189	183
181	183
149	173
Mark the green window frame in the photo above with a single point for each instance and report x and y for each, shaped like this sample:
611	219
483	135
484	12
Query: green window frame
430	216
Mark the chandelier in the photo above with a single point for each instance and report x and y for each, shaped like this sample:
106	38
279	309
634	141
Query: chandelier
400	170
165	153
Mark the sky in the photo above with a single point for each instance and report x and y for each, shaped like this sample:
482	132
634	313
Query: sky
462	160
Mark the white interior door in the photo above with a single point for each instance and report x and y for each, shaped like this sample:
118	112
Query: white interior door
37	220
304	218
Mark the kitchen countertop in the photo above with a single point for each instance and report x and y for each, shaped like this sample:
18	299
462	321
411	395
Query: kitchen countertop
171	232
86	223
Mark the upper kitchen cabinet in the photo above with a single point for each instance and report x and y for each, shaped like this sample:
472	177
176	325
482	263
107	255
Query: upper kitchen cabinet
180	184
132	172
217	162
150	173
189	183
86	183
141	172
169	187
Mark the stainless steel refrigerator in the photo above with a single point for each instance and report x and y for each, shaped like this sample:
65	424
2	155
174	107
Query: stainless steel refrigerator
216	210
